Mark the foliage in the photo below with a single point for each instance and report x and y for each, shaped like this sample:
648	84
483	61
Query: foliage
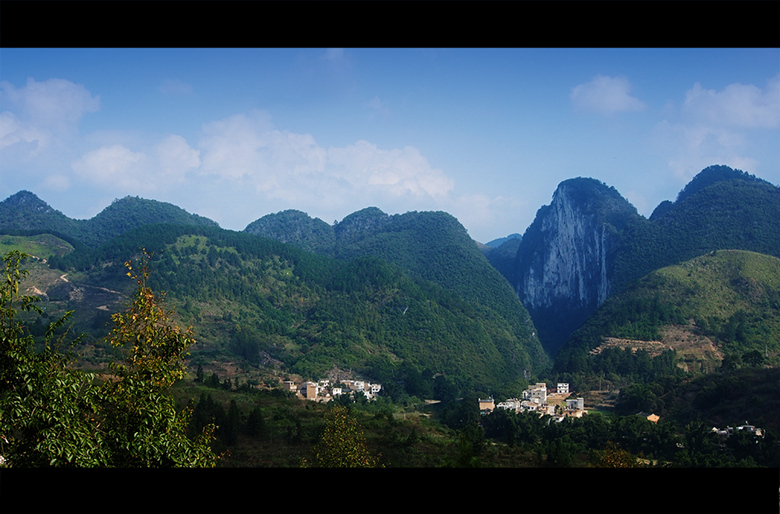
141	423
732	297
342	444
52	415
722	210
614	457
266	299
47	411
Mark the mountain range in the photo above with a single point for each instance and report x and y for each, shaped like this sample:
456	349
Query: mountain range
405	293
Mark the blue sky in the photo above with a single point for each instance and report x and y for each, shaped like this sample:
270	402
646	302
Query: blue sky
484	134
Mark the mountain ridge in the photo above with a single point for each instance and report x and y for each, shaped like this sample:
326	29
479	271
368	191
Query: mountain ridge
25	211
721	208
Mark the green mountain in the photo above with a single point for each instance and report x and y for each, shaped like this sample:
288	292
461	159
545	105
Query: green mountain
296	228
503	255
718	310
433	246
25	212
720	209
265	310
590	243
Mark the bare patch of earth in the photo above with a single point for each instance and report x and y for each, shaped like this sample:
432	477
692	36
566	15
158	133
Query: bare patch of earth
696	352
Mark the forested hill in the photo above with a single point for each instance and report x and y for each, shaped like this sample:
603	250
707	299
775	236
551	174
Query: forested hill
590	243
431	245
25	212
272	306
721	208
722	308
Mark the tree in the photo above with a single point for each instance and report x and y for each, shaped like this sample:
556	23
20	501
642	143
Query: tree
142	425
614	457
342	444
47	411
53	415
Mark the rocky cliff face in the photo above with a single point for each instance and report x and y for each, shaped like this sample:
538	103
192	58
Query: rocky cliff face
565	259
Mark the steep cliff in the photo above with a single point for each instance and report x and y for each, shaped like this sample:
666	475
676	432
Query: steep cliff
565	259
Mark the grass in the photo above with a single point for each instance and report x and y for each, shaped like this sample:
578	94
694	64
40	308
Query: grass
41	246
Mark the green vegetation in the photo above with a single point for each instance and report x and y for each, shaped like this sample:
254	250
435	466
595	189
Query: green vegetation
405	300
26	212
432	246
730	297
253	300
52	415
42	246
720	209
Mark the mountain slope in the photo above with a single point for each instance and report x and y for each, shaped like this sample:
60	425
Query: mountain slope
433	246
297	228
722	305
564	263
719	209
590	243
274	308
25	212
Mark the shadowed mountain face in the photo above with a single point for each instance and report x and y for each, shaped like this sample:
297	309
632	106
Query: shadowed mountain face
565	260
590	243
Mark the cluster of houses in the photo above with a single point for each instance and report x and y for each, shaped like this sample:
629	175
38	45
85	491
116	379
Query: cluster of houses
324	390
535	399
729	431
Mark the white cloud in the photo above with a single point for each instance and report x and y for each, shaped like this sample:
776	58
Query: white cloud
55	105
737	105
175	157
175	87
113	166
397	172
246	148
605	95
719	127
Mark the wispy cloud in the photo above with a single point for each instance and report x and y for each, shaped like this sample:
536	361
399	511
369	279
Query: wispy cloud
714	126
176	87
42	113
605	95
737	105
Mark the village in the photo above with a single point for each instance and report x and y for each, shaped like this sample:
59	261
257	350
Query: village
536	398
556	403
324	391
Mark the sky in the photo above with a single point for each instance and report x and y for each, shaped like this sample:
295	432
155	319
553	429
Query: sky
485	134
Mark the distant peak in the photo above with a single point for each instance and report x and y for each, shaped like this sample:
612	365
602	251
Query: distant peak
27	199
713	174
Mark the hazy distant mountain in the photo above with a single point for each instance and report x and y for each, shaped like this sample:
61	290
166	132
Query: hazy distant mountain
500	241
503	257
